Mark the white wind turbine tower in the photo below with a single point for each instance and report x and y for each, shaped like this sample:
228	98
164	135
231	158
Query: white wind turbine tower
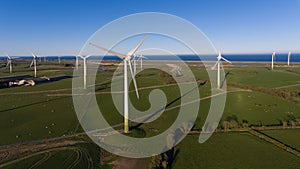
58	58
9	63
219	60
273	56
140	57
84	68
289	57
33	62
126	60
76	61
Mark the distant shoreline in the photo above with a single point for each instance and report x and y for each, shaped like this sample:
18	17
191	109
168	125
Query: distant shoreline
237	58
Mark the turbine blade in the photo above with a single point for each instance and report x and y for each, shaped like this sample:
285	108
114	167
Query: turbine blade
79	56
8	56
109	51
214	67
226	60
133	78
273	55
130	53
33	55
8	63
31	63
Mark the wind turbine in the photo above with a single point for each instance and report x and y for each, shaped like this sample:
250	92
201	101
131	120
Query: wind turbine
140	57
33	62
58	58
175	69
126	60
136	58
219	60
289	57
84	68
9	62
273	56
178	71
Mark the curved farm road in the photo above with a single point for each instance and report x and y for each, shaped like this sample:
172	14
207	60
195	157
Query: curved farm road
39	153
45	158
77	160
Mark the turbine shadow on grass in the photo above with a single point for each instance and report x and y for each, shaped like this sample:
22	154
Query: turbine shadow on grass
223	81
168	105
103	86
268	68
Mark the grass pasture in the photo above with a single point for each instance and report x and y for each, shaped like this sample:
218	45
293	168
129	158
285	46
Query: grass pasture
46	111
232	150
289	137
80	156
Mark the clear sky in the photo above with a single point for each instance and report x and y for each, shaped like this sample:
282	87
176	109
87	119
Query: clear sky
56	27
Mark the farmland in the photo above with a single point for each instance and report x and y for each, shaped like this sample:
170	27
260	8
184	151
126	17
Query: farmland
46	111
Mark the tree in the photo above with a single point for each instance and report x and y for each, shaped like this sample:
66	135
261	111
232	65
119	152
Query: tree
155	162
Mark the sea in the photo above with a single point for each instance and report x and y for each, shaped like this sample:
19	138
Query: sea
295	57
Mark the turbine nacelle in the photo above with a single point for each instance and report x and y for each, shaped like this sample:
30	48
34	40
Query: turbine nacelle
9	57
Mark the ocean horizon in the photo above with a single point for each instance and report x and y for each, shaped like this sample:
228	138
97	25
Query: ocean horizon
231	57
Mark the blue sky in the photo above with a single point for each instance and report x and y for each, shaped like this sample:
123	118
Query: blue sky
56	27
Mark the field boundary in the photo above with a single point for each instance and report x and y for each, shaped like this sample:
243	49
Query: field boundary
275	142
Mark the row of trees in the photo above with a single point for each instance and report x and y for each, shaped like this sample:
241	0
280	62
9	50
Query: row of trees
291	120
166	159
231	122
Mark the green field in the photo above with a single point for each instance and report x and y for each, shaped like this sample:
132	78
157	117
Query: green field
46	111
263	77
232	150
81	156
289	137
